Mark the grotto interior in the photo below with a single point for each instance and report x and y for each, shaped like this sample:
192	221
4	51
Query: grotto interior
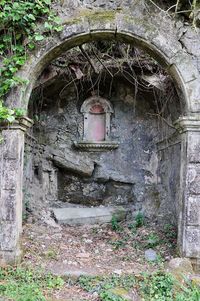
103	133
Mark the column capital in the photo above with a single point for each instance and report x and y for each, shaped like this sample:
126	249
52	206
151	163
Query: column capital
188	123
22	123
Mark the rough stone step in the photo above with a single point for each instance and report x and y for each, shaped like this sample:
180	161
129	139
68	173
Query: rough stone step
94	215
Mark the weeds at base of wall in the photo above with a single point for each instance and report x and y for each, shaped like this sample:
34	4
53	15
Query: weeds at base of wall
25	284
157	286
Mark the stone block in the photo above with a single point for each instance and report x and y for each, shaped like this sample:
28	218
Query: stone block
194	147
8	205
10	257
165	42
191	39
138	26
12	143
179	268
10	174
185	66
121	293
72	162
76	27
191	243
193	179
193	211
93	215
9	236
193	91
102	21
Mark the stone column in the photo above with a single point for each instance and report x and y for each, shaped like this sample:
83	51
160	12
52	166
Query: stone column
189	200
11	179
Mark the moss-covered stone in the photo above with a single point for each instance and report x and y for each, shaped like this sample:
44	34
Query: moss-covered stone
120	292
180	268
94	15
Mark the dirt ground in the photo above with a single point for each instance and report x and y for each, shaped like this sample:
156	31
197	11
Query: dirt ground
94	250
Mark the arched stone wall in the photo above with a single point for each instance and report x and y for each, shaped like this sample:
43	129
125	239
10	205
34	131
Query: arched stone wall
166	49
157	42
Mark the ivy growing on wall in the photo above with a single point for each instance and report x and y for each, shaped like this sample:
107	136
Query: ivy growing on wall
23	23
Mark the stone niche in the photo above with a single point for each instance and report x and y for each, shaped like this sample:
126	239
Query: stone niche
134	167
96	125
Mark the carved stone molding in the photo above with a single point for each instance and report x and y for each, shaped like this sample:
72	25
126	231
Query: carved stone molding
96	146
188	123
22	123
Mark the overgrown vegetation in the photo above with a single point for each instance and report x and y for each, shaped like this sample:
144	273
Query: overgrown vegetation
157	286
24	284
142	239
23	24
94	68
189	9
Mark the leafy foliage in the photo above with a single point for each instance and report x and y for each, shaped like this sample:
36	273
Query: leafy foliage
163	287
23	24
115	224
104	285
159	286
23	284
138	222
9	115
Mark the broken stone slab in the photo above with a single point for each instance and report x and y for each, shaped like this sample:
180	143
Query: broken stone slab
180	268
69	161
94	215
67	272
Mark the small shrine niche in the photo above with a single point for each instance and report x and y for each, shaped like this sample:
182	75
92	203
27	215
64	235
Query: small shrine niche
96	125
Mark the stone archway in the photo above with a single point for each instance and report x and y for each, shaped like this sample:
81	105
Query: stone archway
169	53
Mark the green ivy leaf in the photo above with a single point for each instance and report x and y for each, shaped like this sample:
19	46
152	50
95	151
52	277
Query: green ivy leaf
31	46
32	17
20	112
10	118
48	25
39	37
48	2
19	20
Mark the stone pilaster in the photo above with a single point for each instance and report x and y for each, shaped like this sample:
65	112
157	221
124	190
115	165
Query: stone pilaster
11	178
189	200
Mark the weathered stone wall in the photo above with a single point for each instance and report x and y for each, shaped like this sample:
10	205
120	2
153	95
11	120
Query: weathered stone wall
170	41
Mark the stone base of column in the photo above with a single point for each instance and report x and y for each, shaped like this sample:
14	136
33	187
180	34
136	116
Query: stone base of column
196	265
10	257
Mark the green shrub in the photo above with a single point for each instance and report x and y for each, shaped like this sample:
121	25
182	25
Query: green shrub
24	284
